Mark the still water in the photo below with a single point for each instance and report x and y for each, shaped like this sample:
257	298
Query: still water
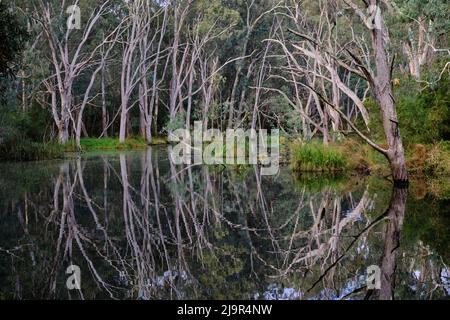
140	227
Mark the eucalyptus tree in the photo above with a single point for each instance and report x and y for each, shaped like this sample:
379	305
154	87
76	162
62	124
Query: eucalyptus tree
152	78
333	52
311	62
70	52
198	57
423	27
109	45
380	83
141	51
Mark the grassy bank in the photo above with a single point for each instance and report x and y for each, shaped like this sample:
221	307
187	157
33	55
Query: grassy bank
25	150
94	144
351	155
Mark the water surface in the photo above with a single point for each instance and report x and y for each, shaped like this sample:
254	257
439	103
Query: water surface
140	227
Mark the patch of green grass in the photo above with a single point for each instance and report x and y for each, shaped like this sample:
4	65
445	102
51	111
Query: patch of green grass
25	150
92	144
315	157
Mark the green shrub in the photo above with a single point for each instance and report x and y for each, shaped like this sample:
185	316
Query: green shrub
425	116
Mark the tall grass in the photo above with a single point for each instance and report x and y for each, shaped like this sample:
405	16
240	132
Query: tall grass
315	157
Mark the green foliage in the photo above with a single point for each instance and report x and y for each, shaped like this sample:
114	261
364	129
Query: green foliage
438	160
423	113
13	34
18	133
29	151
424	116
317	157
434	10
215	18
179	122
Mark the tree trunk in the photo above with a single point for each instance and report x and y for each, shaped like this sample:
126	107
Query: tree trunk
63	132
123	125
63	126
104	111
326	136
143	109
382	89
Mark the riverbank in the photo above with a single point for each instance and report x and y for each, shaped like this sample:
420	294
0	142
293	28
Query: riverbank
348	155
25	150
94	144
351	155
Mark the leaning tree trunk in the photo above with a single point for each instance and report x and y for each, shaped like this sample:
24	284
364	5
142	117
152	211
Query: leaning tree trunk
382	88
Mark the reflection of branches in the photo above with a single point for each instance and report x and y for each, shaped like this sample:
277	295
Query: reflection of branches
315	248
152	229
12	250
75	232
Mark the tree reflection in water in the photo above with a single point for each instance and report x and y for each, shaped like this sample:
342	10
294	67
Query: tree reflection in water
141	227
391	237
